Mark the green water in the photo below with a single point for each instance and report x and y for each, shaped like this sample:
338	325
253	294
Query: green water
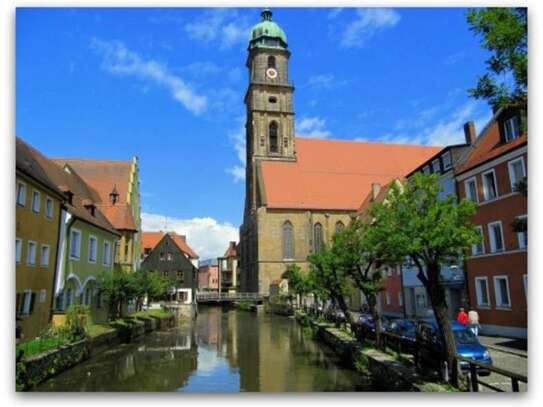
223	350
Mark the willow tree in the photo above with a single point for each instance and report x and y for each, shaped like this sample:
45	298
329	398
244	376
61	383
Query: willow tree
415	222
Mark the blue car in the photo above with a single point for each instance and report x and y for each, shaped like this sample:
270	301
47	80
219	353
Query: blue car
430	348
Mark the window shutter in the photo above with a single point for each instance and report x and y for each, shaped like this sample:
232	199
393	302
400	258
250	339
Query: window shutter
32	300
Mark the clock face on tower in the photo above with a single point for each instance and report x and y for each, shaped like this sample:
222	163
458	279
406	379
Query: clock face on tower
271	73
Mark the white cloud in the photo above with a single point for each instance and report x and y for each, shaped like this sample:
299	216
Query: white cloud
222	25
119	60
238	139
208	237
312	127
368	22
334	13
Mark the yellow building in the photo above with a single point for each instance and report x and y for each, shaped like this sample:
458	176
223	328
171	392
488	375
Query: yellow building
38	205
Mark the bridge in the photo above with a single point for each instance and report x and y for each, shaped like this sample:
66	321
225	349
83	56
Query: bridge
211	297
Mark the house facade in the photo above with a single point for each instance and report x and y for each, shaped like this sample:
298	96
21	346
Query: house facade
497	268
228	270
208	277
115	188
37	224
298	191
169	260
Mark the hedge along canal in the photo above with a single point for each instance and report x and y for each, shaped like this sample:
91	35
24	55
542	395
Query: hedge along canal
37	368
222	350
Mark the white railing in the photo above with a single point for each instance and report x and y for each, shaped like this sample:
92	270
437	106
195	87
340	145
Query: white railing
227	296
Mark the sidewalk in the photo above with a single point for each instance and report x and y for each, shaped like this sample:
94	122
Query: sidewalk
517	347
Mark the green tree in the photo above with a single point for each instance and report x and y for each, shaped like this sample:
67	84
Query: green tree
331	278
297	282
504	33
415	222
117	288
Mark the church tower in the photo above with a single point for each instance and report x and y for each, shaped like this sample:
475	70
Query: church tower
270	115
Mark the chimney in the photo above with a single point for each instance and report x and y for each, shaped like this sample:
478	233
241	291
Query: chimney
470	133
113	195
375	188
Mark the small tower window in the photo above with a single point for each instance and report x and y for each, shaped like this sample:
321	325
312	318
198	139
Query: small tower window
274	146
272	99
271	61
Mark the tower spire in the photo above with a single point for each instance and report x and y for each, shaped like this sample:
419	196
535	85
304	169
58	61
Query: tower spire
266	14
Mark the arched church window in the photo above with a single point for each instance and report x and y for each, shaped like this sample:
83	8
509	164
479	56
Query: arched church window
271	61
339	226
317	237
273	137
288	240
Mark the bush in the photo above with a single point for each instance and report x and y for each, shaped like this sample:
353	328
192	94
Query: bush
75	325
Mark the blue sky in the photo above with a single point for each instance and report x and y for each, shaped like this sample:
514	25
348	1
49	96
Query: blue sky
167	85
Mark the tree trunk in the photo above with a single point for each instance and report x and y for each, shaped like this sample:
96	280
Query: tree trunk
372	304
343	305
439	304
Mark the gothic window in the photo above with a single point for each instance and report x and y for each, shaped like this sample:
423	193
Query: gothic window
288	240
339	226
274	146
271	61
317	237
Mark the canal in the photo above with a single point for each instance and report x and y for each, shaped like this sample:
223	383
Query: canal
223	350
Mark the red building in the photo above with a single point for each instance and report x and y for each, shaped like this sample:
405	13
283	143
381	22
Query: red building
497	270
208	277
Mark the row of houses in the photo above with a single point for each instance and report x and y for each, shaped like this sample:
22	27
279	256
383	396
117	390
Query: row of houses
494	277
75	219
221	274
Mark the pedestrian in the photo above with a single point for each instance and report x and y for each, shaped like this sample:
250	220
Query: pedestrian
462	317
473	317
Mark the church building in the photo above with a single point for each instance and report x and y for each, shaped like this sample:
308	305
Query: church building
299	191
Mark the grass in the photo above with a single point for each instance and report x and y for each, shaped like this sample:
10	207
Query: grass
157	313
41	344
98	329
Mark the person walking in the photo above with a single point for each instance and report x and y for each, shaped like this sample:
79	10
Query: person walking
462	317
473	317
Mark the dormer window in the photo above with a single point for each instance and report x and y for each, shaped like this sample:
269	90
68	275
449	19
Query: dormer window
435	166
447	162
114	195
89	206
511	129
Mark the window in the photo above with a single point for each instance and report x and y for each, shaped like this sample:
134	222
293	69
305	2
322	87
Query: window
426	170
169	256
525	282
481	291
165	273
522	236
31	254
511	128
387	298
273	137
28	302
489	185
75	244
69	297
271	61
21	193
272	99
59	301
288	241
35	201
447	162
339	226
44	255
317	237
49	208
501	288
495	233
126	249
93	243
517	171
161	256
400	299
107	254
435	166
470	187
18	250
421	300
43	295
87	297
479	248
180	276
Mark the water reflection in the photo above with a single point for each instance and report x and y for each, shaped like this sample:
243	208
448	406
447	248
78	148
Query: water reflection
223	350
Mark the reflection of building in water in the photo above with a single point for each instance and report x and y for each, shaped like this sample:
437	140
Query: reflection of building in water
208	329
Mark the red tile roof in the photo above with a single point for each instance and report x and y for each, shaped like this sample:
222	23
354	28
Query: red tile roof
489	146
103	176
336	175
232	250
149	240
69	181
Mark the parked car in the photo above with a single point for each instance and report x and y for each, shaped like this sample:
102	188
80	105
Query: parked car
336	315
367	322
405	328
431	350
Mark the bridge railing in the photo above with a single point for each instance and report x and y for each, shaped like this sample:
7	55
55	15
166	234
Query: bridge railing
227	296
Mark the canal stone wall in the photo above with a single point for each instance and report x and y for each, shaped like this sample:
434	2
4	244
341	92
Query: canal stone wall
37	368
387	372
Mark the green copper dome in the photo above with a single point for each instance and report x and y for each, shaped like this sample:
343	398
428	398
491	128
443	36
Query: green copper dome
267	34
